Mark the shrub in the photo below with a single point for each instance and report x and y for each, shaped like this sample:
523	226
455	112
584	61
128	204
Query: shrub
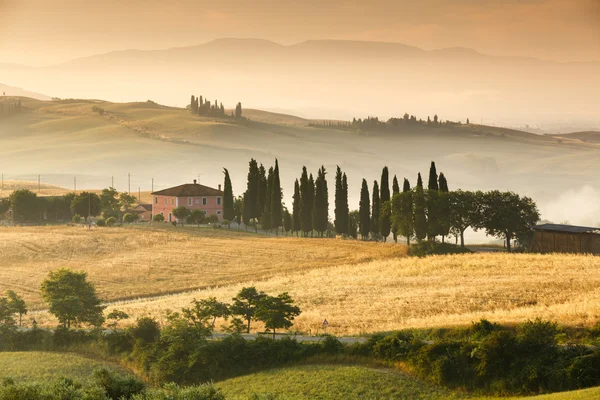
331	345
172	391
426	248
158	218
111	221
118	386
483	328
395	347
76	219
584	371
100	222
129	218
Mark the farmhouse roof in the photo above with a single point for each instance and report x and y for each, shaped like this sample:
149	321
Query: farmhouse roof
143	207
189	189
566	228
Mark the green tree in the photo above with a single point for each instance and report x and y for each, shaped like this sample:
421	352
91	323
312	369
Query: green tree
263	183
116	316
419	209
320	212
72	298
465	212
364	211
4	206
126	201
109	203
181	213
246	303
130	218
197	216
228	202
277	312
306	194
158	218
296	222
238	111
76	219
251	195
432	200
508	216
406	185
86	204
266	215
353	218
385	215
211	308
287	221
24	205
443	207
276	194
341	204
17	305
376	210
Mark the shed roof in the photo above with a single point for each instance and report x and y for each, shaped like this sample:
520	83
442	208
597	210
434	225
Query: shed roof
566	228
189	189
144	207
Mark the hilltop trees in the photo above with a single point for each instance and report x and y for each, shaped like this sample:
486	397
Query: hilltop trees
72	298
384	224
364	211
228	202
238	111
202	106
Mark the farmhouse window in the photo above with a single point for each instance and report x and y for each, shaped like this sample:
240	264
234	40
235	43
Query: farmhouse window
156	200
190	201
204	201
218	201
197	201
219	212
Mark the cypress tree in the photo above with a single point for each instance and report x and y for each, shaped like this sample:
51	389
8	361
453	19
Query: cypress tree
406	226
262	191
444	207
296	224
376	205
311	198
321	203
433	178
228	204
384	225
420	220
192	104
251	194
395	186
364	211
406	186
341	204
443	183
395	191
276	207
433	213
265	220
346	208
305	203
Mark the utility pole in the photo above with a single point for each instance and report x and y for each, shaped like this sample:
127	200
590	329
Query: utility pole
152	185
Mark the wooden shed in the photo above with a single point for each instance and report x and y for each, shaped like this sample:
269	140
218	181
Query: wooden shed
554	238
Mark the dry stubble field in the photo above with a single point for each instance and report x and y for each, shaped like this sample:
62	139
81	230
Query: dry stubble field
359	287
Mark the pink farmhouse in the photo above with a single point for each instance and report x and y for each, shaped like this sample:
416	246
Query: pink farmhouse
190	195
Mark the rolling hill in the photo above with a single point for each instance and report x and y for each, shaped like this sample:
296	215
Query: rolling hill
65	139
333	79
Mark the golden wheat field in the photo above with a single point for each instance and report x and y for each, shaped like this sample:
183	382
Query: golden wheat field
437	291
130	263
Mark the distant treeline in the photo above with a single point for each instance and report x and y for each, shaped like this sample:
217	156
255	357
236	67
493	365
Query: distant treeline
10	107
203	106
392	124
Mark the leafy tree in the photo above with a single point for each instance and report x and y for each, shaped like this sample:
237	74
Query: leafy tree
296	222
197	216
419	206
6	313
384	219
306	195
276	194
345	207
211	308
86	204
4	206
508	216
17	305
364	211
228	202
465	212
320	212
277	312
181	213
341	204
100	222
158	218
115	316
24	205
76	219
130	218
376	205
246	303
72	298
109	203
126	201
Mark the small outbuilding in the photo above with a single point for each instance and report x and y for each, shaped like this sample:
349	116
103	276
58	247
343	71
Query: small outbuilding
555	238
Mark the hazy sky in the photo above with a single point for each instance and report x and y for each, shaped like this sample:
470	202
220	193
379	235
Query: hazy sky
41	32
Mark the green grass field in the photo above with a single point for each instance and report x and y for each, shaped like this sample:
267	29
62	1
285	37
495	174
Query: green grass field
44	366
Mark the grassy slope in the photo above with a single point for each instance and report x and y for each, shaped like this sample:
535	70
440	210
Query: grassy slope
42	366
356	382
59	140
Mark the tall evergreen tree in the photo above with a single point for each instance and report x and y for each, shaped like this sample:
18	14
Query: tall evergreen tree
228	203
419	209
443	183
341	204
265	220
306	193
395	186
251	195
311	197
444	208
406	186
432	200
296	223
395	191
193	104
376	210
364	211
384	224
321	203
433	178
262	190
276	206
